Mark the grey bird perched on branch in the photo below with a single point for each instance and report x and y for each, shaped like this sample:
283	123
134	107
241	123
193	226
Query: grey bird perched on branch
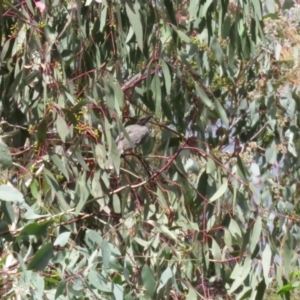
138	134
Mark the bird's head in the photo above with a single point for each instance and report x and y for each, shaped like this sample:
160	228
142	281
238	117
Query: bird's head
143	121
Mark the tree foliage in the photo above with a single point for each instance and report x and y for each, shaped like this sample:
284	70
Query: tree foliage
207	208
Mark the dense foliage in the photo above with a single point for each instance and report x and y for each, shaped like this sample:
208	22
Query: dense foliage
207	207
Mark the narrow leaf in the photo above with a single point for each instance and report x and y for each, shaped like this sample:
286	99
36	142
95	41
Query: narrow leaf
40	260
204	98
266	262
165	276
257	228
156	89
10	193
38	229
62	127
222	113
217	50
106	252
5	156
148	280
60	165
220	192
167	76
62	239
135	21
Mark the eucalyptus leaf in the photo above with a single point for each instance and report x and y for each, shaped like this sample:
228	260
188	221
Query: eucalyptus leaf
5	156
41	258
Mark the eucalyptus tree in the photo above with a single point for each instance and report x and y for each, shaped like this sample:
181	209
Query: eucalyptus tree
205	208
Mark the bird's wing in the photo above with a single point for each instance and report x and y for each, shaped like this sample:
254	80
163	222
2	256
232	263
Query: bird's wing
121	136
143	135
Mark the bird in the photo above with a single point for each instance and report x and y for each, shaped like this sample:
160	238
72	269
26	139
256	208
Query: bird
138	134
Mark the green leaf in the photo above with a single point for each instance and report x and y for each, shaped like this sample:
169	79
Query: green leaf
68	95
156	89
41	132
164	278
5	156
193	8
62	239
61	289
5	53
204	8
38	229
10	193
103	17
239	274
287	253
266	263
62	127
257	9
135	21
60	165
216	250
163	229
16	11
56	189
183	36
203	96
161	198
217	50
148	280
167	76
202	186
254	168
220	192
40	260
82	193
93	239
255	237
100	155
81	160
31	215
116	204
234	229
128	297
99	282
192	294
30	78
106	252
222	113
271	154
30	7
277	53
242	171
4	231
8	212
118	93
118	291
170	11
